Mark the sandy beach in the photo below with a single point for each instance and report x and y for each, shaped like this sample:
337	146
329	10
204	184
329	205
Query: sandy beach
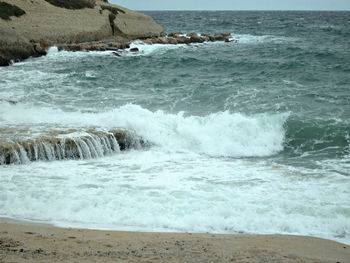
36	243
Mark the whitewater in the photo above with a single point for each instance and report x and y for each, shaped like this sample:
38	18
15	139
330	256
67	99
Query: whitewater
249	137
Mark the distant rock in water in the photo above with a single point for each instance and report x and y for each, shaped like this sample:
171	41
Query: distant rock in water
175	38
72	144
34	30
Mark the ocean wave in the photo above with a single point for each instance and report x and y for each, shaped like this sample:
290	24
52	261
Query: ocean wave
330	137
216	134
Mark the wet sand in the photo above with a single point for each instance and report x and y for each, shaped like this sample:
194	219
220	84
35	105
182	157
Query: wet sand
41	243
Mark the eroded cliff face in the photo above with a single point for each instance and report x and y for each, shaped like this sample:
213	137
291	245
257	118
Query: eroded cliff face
47	24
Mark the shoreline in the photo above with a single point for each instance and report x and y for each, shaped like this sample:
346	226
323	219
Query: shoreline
36	242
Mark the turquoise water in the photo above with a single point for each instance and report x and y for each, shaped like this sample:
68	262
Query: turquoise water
250	137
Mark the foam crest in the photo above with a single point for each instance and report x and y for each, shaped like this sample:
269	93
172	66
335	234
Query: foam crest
217	134
254	39
146	49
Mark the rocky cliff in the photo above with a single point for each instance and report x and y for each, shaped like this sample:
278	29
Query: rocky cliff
44	24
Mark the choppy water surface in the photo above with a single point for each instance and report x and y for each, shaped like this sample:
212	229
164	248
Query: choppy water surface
247	137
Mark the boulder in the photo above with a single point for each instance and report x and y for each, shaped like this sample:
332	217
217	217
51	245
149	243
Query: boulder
196	39
174	34
160	40
39	49
221	36
183	40
163	40
172	41
135	49
192	34
148	41
205	37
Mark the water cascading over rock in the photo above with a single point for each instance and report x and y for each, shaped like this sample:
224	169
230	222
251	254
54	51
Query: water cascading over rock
67	145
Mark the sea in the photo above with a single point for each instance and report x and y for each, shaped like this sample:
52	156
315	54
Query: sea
250	136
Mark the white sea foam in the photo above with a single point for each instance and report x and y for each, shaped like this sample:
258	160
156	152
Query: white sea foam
146	49
155	190
255	39
217	134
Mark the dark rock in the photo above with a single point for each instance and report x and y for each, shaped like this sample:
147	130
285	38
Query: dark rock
172	41
221	36
183	40
116	54
135	49
118	45
40	51
212	38
111	48
14	48
192	34
225	34
74	47
196	39
160	40
148	41
174	34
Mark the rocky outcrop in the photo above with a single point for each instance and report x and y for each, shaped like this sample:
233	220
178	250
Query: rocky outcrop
66	145
14	47
175	38
44	24
135	25
114	44
109	44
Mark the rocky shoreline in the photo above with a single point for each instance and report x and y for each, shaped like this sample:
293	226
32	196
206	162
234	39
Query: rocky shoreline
172	38
43	24
113	28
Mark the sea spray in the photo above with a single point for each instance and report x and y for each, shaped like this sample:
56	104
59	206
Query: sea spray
217	134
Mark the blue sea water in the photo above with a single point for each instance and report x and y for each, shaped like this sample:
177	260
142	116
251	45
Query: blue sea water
250	136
